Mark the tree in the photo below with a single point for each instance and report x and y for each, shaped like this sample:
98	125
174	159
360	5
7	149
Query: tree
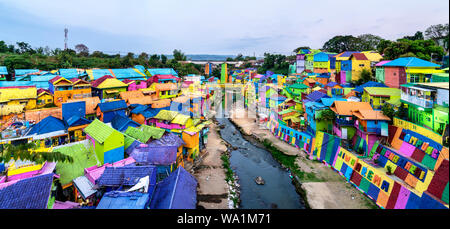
24	47
437	32
422	49
178	55
417	36
163	59
82	49
239	57
4	48
28	151
340	44
143	56
367	42
388	110
366	76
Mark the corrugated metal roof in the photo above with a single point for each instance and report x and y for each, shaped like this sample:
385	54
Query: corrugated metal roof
47	125
121	123
410	62
84	186
124	200
117	176
99	130
29	193
162	71
113	105
3	70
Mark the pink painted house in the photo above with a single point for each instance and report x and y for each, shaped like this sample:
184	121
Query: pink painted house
134	85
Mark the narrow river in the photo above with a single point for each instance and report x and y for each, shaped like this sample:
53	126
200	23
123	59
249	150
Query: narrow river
250	161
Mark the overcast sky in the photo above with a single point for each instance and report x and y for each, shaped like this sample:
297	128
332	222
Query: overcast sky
211	26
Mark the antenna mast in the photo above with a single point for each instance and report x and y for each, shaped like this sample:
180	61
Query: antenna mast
65	38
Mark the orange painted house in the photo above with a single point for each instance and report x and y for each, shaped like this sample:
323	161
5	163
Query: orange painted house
64	89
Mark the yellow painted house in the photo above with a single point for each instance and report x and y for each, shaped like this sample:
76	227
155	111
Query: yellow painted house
19	95
359	63
379	96
44	98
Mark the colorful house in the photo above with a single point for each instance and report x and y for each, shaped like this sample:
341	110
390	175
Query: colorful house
163	119
61	88
134	85
334	89
107	110
165	90
379	96
323	78
80	89
91	104
24	96
343	126
44	98
107	143
379	70
163	79
427	104
359	63
107	87
408	70
320	64
371	126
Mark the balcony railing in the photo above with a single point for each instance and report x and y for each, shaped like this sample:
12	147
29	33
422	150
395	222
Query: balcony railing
343	122
417	101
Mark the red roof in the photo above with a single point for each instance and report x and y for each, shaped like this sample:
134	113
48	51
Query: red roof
128	81
40	90
100	80
16	87
359	56
55	79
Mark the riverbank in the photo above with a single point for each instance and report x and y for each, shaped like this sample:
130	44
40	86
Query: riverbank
212	189
321	187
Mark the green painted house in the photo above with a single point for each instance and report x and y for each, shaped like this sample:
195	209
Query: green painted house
428	104
107	143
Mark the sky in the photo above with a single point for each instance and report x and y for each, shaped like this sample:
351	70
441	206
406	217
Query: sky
222	27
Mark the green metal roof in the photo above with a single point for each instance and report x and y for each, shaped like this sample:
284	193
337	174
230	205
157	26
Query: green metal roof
82	158
383	91
99	130
138	134
298	86
154	132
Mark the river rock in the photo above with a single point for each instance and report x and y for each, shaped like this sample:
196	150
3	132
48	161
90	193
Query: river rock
222	126
259	180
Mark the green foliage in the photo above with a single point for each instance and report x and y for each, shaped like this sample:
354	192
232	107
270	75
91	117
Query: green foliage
27	151
340	44
299	48
389	169
274	62
422	49
388	110
178	55
417	36
327	115
366	76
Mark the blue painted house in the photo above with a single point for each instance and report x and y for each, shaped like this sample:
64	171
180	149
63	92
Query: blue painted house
108	110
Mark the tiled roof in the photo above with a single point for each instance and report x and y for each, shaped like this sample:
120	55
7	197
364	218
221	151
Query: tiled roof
370	115
99	130
145	100
29	193
40	114
346	107
117	176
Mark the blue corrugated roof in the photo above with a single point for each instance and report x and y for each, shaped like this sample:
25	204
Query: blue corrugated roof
112	106
41	84
3	70
29	193
316	96
410	62
118	176
124	200
329	101
71	73
361	87
47	125
19	72
121	123
177	191
332	84
162	71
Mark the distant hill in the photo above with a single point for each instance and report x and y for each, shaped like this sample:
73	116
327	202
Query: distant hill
204	57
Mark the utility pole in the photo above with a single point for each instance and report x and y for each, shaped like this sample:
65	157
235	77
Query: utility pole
65	38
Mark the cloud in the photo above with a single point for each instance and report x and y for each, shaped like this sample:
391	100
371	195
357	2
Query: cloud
219	26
